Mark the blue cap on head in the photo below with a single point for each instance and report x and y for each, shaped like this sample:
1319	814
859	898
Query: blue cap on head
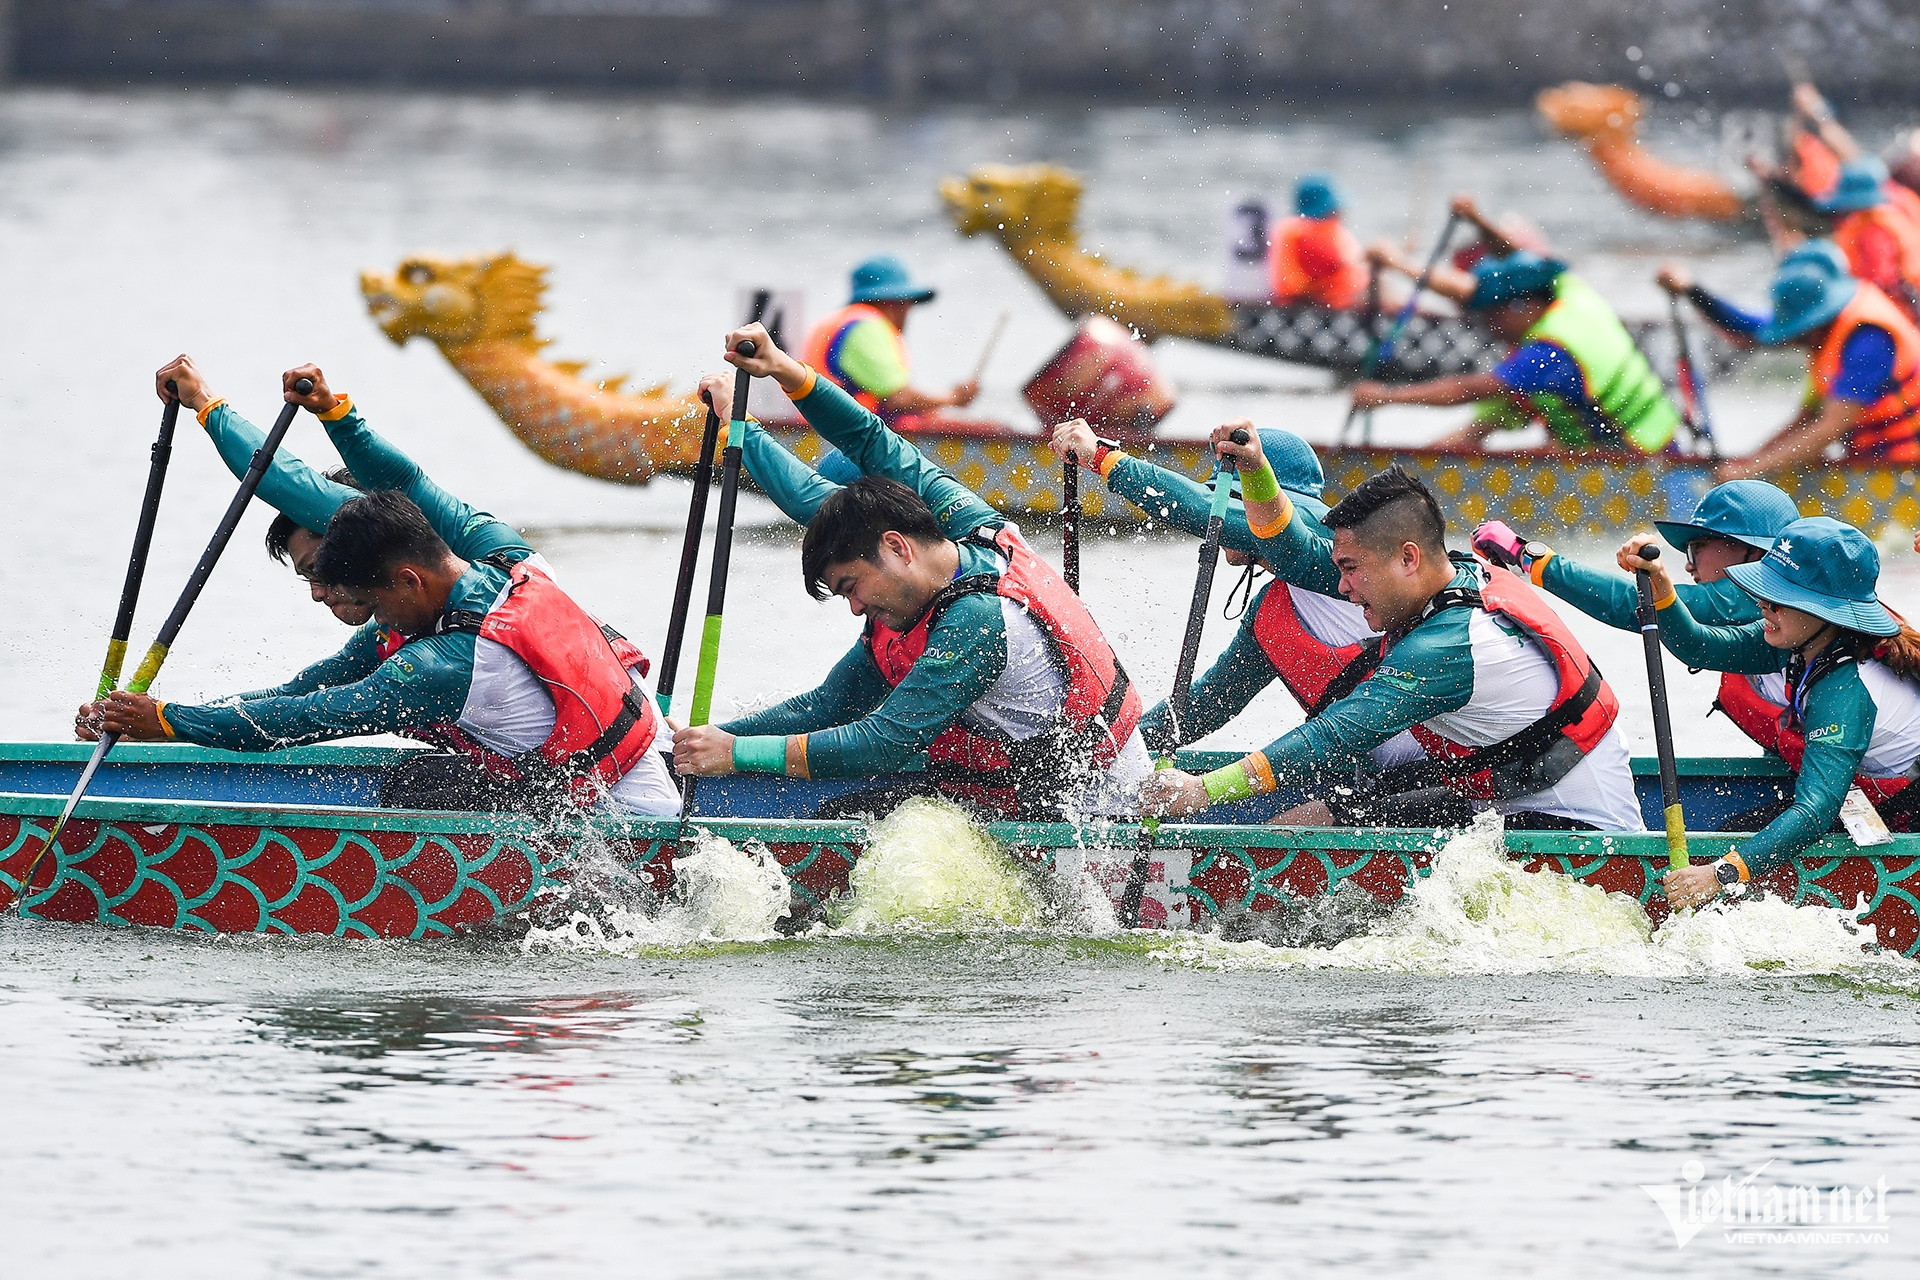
1315	196
1294	464
1821	255
1822	567
1804	297
1749	511
1862	185
1497	281
886	279
837	467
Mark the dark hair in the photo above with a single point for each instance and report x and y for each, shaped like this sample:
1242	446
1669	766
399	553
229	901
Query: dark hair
849	524
372	534
1399	505
280	531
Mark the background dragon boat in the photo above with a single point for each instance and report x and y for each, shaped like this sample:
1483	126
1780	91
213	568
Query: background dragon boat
482	313
185	838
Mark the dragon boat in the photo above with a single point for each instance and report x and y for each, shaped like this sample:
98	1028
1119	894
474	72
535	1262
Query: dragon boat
186	838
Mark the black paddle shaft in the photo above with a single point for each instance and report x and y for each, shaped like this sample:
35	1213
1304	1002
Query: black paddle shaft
1379	348
1070	522
1177	699
162	454
1657	682
689	562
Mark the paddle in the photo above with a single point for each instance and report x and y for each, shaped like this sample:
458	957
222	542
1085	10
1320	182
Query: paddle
1382	348
150	665
689	560
1693	390
1178	697
162	453
722	560
993	340
1070	522
1662	725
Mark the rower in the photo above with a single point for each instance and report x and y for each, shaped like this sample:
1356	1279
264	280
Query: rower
1574	366
863	350
1846	671
1879	236
1313	257
1512	713
1288	634
1864	363
976	657
537	701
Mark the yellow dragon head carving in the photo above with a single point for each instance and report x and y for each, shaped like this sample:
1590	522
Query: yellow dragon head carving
456	302
1015	202
1581	110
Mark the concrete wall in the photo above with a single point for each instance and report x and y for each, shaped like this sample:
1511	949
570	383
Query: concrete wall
985	49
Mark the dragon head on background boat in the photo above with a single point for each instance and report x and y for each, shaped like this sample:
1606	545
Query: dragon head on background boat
1016	202
1607	118
1582	110
455	302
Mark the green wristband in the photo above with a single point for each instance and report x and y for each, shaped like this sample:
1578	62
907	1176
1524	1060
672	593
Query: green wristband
765	753
1262	485
1229	783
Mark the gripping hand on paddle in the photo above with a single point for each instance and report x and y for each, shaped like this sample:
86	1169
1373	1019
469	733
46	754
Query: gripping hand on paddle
1630	559
188	382
318	400
1173	793
1076	438
701	751
767	360
1691	886
1674	278
717	390
134	716
1237	442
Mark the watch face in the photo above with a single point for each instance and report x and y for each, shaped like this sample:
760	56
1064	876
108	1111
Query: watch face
1727	873
1537	550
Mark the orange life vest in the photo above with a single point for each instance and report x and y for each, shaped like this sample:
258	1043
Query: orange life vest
1306	663
1896	222
1101	711
1317	260
603	722
1778	733
823	348
1887	430
1584	706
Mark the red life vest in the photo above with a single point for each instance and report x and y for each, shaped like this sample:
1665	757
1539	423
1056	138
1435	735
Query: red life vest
1317	260
823	348
1537	757
603	722
1101	711
1888	430
1770	724
1306	663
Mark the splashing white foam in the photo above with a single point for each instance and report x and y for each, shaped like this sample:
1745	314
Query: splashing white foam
1479	912
720	894
928	868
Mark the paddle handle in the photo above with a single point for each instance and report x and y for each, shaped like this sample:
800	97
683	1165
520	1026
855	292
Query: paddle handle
1676	821
160	455
1070	522
689	562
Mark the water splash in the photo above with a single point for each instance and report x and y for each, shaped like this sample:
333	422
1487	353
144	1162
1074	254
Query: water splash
928	868
721	894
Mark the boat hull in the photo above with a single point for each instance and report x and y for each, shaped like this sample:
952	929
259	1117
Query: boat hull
206	852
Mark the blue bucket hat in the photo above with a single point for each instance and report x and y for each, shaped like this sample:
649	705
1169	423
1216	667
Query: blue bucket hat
1315	196
837	467
1862	186
1294	464
1822	567
1749	511
886	279
1821	255
1804	297
1497	281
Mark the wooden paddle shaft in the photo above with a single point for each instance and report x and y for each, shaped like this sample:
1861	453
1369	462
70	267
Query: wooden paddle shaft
1676	822
161	455
689	562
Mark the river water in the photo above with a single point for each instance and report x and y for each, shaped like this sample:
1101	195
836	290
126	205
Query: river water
955	1079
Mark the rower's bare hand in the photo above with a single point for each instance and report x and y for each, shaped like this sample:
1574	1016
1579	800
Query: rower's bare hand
1384	253
1737	469
134	716
767	360
1464	206
717	390
1246	456
87	721
1172	793
1077	438
1371	395
964	394
318	400
188	383
1809	103
1632	557
1674	278
1691	886
702	751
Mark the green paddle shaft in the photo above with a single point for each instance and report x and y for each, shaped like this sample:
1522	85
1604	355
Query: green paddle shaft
1662	723
170	629
161	455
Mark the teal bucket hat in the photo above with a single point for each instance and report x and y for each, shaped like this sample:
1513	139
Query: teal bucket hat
1822	255
1315	196
1804	298
1749	511
886	279
1497	281
1822	567
1862	186
1294	464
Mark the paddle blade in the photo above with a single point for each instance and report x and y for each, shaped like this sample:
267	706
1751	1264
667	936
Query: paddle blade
66	812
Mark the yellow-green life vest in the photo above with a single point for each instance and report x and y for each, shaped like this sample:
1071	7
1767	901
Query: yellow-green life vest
1626	405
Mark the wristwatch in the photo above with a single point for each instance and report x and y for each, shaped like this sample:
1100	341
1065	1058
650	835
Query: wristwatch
1536	550
1727	874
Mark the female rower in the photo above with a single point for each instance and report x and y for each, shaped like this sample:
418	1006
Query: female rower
1848	672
